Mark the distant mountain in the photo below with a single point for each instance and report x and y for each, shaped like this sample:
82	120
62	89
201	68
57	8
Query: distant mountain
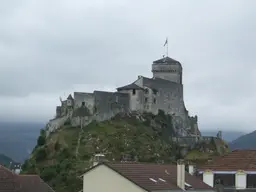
4	160
226	135
246	141
17	140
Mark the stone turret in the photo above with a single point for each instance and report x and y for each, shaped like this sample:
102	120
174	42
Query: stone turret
168	69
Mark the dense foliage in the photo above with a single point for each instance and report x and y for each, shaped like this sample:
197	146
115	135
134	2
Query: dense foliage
66	154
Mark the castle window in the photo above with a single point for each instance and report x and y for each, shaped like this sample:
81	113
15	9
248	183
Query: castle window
146	99
133	91
83	103
154	100
95	109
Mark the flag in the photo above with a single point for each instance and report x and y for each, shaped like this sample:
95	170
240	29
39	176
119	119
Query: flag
166	41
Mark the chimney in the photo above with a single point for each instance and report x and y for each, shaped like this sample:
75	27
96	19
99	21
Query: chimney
191	169
181	174
98	158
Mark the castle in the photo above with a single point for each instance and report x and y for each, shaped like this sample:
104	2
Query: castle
164	91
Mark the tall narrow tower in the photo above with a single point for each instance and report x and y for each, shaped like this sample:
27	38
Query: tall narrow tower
168	69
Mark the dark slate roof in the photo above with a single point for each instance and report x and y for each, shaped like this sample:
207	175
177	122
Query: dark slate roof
11	182
155	83
103	94
129	87
153	177
70	97
166	60
81	112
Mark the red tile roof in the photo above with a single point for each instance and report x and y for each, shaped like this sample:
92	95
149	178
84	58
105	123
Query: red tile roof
233	161
155	176
11	182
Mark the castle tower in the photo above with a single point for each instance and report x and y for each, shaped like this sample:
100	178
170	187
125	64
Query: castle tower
168	69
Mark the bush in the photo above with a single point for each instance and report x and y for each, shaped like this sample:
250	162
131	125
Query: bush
57	146
41	140
48	173
41	154
68	122
42	132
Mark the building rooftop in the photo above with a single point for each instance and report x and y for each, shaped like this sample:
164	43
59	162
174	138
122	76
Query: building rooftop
129	87
11	182
155	176
233	161
166	60
156	83
70	97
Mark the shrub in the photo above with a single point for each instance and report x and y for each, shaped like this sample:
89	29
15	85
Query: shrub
57	146
41	154
41	140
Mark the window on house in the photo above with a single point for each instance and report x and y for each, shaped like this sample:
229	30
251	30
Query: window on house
146	91
116	99
83	103
146	99
154	91
227	180
154	100
133	91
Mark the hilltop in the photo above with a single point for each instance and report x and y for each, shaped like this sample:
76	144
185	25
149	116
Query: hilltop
246	141
65	154
4	160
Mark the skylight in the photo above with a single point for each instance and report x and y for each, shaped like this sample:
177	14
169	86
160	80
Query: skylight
160	179
151	179
188	185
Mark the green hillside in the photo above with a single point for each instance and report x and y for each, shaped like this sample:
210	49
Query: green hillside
4	160
67	153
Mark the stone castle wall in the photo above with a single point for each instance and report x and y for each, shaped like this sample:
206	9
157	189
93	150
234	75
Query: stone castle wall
162	92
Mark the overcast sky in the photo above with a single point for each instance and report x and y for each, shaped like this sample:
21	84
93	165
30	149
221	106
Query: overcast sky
49	48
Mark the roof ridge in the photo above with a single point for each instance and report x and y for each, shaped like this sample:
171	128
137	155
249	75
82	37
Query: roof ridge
5	168
29	175
139	163
157	78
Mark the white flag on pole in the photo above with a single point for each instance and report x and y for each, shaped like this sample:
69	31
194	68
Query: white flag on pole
166	41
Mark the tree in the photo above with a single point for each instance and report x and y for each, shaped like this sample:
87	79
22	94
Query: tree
41	140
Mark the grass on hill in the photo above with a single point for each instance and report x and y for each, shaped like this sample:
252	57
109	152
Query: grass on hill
63	156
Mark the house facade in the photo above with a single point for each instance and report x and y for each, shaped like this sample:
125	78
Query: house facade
139	177
234	170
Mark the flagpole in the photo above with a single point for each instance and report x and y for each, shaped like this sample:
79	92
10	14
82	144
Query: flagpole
167	47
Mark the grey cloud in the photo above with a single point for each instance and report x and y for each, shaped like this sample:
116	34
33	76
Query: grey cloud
48	46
